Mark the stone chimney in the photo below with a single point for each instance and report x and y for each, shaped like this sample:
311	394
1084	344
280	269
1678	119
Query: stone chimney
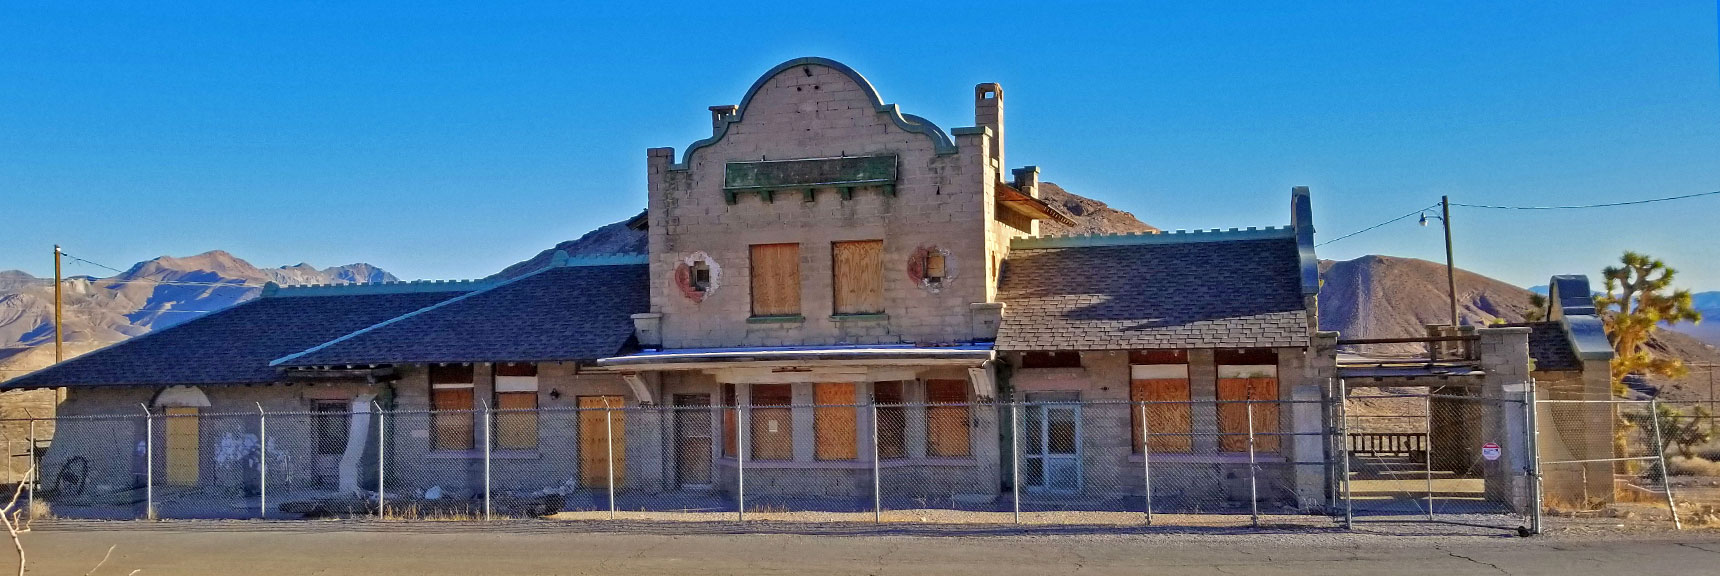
1027	180
988	112
720	115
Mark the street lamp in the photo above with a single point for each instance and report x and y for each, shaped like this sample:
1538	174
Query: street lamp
1450	271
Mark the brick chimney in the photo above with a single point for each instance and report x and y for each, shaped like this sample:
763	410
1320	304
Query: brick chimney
720	115
988	112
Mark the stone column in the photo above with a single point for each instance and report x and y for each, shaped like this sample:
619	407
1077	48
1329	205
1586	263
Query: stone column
1203	387
1504	358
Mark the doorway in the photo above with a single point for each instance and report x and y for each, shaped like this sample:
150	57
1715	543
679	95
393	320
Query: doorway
182	440
693	440
599	417
331	430
1051	442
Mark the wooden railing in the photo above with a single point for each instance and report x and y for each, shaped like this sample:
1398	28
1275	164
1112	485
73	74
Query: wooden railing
1409	444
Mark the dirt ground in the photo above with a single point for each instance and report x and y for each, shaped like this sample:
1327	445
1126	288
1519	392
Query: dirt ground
537	547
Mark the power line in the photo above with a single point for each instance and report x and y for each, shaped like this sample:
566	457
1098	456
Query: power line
1583	206
1371	228
150	280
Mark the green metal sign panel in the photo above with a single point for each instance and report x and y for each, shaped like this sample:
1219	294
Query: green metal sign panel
769	176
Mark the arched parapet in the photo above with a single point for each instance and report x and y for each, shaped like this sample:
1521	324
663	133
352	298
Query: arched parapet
941	142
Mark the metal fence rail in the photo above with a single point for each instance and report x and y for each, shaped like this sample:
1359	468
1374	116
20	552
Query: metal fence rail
1174	462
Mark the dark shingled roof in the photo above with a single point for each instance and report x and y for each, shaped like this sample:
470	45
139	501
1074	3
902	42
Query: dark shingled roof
235	345
557	314
1550	347
1214	294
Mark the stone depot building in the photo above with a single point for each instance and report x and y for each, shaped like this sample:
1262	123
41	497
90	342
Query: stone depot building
821	254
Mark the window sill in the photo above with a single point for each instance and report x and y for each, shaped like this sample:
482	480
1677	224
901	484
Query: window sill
1224	458
848	464
796	319
479	455
879	317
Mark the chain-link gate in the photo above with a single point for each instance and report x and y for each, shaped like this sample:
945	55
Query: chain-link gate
1439	454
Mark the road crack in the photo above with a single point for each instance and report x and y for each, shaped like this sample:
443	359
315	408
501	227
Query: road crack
1472	560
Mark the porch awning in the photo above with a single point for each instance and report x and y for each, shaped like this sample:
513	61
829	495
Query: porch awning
860	354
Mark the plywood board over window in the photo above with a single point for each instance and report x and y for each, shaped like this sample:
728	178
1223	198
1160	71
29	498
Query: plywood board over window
516	425
776	279
1238	384
833	421
1164	391
857	276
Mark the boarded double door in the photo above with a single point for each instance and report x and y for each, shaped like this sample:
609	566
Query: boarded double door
601	418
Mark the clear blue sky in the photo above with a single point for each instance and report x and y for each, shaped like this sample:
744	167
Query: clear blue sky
447	141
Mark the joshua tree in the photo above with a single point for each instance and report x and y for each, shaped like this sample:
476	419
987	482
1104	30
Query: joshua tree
1639	297
1537	309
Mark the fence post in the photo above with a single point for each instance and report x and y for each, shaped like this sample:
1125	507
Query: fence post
1147	463
262	461
30	472
488	416
742	437
1428	454
1344	440
1531	418
1660	451
877	491
609	439
1253	489
148	463
381	443
1015	457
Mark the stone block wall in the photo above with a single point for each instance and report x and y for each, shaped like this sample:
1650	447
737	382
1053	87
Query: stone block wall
942	200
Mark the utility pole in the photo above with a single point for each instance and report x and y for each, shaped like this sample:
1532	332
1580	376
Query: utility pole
59	340
1450	270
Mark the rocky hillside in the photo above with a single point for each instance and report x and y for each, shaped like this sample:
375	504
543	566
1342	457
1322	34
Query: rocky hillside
1091	216
1386	297
151	295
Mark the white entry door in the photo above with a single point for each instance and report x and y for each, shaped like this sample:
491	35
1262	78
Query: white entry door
1051	442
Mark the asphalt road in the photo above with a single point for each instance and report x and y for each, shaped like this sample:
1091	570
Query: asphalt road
549	548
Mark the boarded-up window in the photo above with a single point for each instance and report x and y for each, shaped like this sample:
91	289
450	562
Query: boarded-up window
892	419
451	403
857	276
731	417
833	420
1068	359
1163	390
776	279
947	426
1239	383
772	422
516	426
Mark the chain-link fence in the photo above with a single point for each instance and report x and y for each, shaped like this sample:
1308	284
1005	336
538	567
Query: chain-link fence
1629	460
1246	459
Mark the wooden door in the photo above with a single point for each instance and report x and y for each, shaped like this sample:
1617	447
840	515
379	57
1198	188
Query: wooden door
693	439
1167	413
594	434
833	421
182	438
947	418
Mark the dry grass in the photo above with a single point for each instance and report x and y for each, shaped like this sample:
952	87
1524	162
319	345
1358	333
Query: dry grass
1681	466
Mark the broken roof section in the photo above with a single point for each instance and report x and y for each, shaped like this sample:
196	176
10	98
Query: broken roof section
235	345
1141	291
573	310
